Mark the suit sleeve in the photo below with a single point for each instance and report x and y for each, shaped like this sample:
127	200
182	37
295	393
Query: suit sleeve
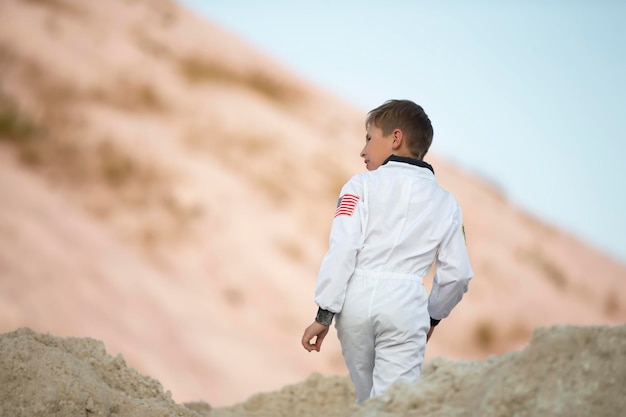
346	240
453	271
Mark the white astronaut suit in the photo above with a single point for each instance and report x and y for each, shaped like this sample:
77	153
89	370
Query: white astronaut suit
389	227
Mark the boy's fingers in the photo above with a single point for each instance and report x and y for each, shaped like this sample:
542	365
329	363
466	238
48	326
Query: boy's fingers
306	340
318	344
311	346
320	338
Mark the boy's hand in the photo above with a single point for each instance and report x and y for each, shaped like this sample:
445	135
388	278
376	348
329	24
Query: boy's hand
317	331
430	333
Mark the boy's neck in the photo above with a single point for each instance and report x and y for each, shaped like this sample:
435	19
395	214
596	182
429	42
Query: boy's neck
405	154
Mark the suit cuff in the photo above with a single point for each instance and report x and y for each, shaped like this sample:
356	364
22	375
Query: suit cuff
324	317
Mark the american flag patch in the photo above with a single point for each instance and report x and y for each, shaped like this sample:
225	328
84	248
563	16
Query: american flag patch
346	204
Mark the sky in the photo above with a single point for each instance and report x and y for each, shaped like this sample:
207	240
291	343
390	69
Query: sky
529	95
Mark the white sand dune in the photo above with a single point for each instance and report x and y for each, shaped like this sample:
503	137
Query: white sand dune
564	371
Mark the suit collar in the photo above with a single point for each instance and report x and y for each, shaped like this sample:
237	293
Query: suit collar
412	161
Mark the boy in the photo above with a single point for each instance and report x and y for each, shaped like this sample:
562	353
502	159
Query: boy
390	225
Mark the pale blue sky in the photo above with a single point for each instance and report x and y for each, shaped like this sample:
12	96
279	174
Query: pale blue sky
530	94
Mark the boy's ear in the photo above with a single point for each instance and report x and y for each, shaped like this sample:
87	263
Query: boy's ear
398	138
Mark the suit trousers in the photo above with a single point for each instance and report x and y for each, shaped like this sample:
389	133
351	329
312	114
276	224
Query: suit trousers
382	329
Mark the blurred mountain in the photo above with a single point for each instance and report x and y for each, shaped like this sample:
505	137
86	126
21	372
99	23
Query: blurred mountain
168	190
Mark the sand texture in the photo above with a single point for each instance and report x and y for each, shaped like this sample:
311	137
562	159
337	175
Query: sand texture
564	371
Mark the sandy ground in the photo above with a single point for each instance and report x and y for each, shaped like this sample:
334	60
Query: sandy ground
564	371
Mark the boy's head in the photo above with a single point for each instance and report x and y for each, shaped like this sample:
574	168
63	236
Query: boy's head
398	127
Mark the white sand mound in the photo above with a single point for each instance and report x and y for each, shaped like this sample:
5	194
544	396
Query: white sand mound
43	375
565	371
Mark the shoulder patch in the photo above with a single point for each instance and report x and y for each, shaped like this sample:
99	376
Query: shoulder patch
346	204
